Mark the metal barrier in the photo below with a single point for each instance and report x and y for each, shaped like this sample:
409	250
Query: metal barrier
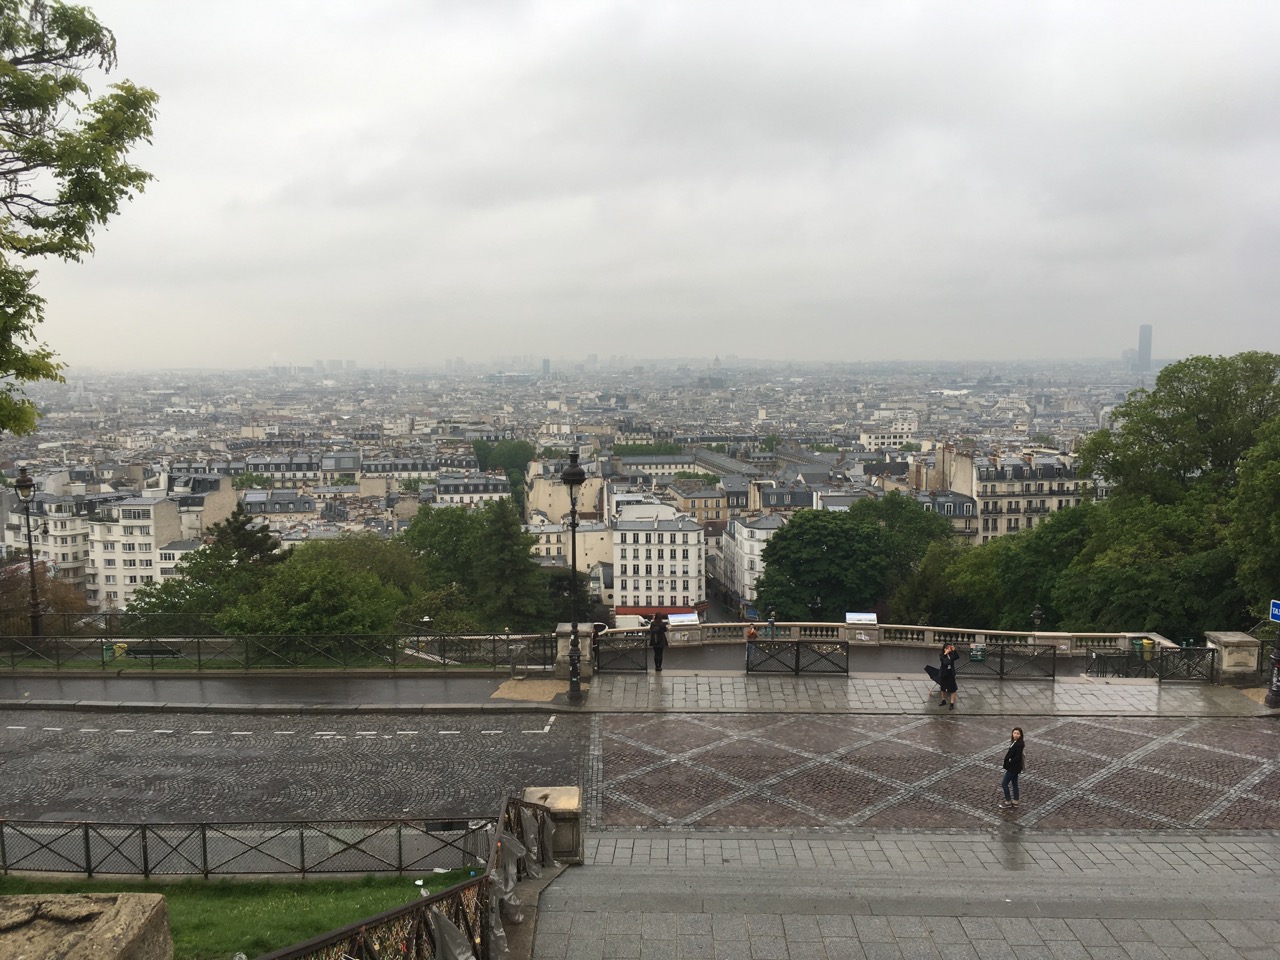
492	652
620	654
1021	661
1188	664
797	656
466	917
253	847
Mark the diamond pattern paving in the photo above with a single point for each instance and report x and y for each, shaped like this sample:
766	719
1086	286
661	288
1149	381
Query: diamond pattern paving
793	772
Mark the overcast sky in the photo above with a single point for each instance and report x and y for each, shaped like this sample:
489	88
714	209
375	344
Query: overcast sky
400	182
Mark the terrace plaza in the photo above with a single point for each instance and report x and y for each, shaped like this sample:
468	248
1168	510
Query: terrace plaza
785	817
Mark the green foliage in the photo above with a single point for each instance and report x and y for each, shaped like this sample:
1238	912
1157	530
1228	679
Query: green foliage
770	443
486	558
1254	528
211	579
647	449
411	484
315	597
1192	430
252	481
63	170
909	447
249	539
826	563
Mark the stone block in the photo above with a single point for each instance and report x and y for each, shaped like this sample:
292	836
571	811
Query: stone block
86	926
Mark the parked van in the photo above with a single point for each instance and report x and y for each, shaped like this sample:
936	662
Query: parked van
631	621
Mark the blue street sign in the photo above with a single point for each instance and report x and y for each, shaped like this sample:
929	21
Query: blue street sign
1275	610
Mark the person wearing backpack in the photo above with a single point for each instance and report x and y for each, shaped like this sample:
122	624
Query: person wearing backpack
1014	761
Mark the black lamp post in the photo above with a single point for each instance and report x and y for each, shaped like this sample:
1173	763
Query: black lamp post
1036	616
1273	693
26	488
573	476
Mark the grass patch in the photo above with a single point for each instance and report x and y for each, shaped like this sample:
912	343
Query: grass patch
212	920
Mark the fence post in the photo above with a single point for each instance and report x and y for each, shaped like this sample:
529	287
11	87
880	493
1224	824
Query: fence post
204	850
88	857
399	846
796	668
302	849
146	862
4	855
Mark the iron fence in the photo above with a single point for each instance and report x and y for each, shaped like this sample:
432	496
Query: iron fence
798	656
465	920
1187	664
252	847
491	652
620	654
1020	661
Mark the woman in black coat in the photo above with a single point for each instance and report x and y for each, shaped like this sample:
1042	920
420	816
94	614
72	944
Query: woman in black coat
658	639
947	674
1012	767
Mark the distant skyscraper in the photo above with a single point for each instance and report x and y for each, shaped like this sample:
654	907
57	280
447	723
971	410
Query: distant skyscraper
546	367
1144	348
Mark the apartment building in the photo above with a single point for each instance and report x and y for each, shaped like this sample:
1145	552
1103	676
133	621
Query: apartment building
470	489
60	531
126	535
741	561
659	563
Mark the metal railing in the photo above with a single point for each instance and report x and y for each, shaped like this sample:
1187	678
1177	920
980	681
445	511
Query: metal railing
298	848
1015	661
620	653
797	656
465	917
1188	664
492	652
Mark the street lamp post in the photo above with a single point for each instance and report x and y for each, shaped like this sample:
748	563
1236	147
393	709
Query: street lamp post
1036	616
1273	692
573	476
26	489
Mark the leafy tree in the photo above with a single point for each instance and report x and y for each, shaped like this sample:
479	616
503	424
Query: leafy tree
446	541
410	484
1151	566
770	442
391	561
1192	429
210	580
511	456
482	449
248	539
835	562
1254	528
510	584
250	481
63	169
315	598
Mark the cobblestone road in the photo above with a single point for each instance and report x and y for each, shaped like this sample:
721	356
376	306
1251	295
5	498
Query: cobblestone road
644	771
788	772
57	765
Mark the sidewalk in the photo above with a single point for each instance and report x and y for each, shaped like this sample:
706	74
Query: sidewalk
916	896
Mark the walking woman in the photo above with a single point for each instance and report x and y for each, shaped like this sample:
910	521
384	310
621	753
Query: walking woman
1012	767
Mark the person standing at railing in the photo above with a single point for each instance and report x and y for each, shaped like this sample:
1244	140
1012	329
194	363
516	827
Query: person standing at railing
658	639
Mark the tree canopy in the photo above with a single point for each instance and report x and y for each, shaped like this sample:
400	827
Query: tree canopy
63	169
823	564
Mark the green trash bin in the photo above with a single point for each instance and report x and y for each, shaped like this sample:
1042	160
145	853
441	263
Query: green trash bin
1136	644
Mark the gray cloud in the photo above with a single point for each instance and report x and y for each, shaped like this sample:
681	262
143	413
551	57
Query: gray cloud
882	180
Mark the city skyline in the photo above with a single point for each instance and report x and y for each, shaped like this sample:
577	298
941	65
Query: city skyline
399	184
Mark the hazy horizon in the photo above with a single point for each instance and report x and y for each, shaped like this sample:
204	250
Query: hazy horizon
822	183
